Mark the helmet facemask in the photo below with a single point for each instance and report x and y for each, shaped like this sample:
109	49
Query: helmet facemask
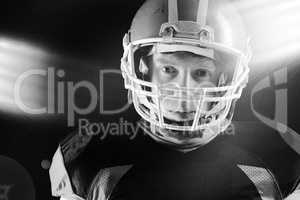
210	106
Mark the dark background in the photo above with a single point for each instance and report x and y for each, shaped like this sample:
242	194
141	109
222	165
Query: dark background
83	37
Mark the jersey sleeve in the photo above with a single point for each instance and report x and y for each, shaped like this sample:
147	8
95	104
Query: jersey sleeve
60	179
68	179
79	158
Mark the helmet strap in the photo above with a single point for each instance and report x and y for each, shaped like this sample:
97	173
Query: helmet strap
173	11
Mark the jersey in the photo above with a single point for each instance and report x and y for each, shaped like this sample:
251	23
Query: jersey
85	167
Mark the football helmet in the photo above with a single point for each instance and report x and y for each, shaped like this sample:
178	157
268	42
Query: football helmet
209	28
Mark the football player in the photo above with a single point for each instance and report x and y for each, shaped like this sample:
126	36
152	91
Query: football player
185	65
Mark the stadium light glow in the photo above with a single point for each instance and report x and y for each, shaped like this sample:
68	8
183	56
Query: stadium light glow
17	57
274	26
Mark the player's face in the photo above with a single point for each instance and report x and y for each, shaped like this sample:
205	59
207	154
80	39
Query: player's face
183	69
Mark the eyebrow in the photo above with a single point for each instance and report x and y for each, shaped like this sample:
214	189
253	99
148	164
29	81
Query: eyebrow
206	63
163	59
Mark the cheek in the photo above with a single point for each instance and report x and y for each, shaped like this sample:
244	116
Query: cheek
214	80
159	78
154	78
210	81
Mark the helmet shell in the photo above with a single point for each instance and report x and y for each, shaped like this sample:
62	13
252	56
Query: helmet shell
221	16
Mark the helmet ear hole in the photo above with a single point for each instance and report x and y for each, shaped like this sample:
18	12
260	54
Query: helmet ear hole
143	68
141	63
222	80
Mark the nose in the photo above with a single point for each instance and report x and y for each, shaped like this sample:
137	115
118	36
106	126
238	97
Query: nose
186	81
184	78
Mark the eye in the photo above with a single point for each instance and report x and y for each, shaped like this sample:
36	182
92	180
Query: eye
169	70
201	73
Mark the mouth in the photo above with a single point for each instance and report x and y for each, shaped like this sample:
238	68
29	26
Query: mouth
183	116
189	119
185	136
187	122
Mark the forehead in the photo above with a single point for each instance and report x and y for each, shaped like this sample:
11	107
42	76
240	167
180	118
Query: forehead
181	57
